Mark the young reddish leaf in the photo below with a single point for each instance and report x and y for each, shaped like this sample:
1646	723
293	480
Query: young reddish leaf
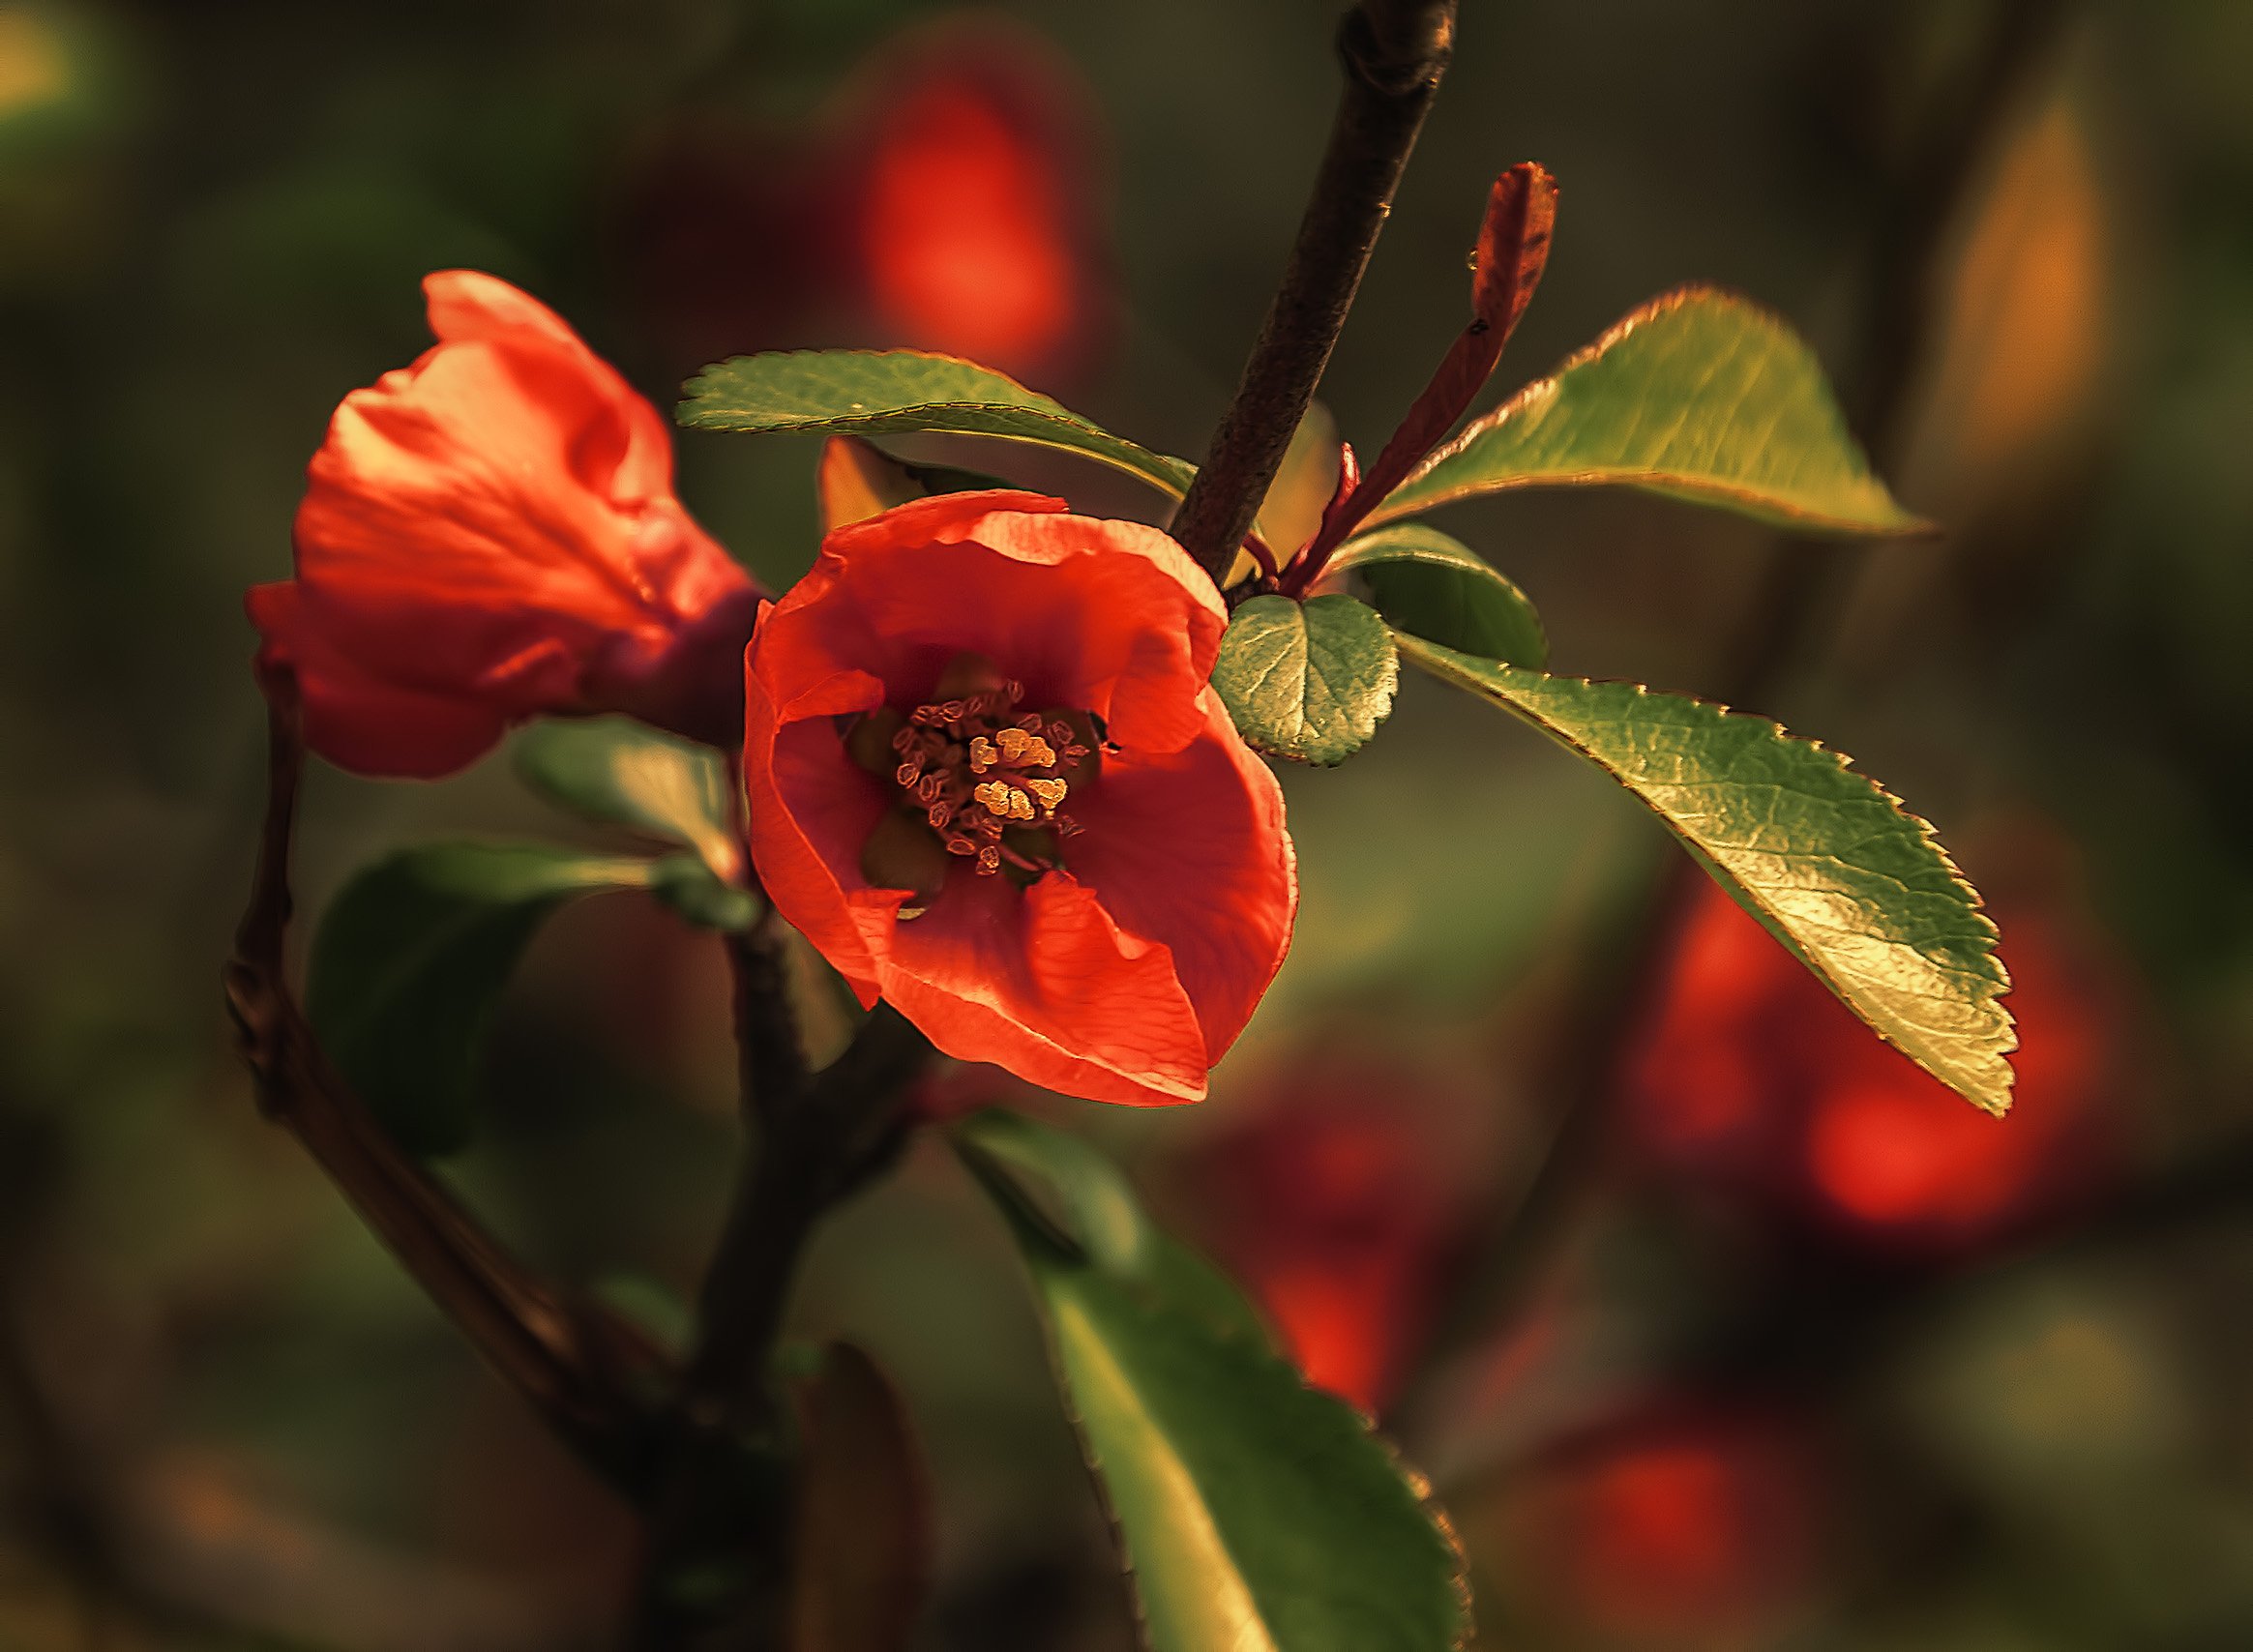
1513	248
863	1560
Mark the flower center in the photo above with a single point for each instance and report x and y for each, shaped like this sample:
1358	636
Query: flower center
978	768
990	782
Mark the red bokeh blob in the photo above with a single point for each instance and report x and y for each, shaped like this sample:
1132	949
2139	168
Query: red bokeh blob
950	197
1674	1528
1339	1203
962	229
1756	1078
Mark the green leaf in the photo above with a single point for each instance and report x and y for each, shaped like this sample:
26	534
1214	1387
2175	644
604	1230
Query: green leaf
874	392
411	958
1827	860
1257	1515
1441	590
1307	681
687	885
1699	395
615	769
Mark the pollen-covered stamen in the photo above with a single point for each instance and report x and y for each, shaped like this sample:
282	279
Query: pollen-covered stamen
989	781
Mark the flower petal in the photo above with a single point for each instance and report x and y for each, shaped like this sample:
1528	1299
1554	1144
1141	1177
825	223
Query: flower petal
1043	983
1103	616
357	721
635	464
1188	848
809	810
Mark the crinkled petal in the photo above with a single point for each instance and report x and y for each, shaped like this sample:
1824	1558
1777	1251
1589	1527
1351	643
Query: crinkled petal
1043	983
635	464
1102	616
1188	848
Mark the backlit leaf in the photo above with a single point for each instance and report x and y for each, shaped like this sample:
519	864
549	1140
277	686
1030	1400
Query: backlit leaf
1699	395
1855	885
1257	1515
1439	589
1307	681
615	769
411	958
874	392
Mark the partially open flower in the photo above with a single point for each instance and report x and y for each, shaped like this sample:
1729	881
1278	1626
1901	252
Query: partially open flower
489	535
988	781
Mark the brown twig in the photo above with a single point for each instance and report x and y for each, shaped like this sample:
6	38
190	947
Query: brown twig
578	1369
717	1570
1394	53
1622	988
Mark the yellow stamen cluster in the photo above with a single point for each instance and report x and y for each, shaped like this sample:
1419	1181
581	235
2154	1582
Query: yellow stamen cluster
943	747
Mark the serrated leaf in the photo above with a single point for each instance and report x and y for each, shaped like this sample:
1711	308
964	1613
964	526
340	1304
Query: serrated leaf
410	958
1308	681
873	392
617	770
1855	885
1699	395
1439	589
1257	1515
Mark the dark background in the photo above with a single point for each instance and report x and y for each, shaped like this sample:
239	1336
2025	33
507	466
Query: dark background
1708	1405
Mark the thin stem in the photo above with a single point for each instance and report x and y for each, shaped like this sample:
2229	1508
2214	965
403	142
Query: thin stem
1394	52
718	1544
1619	992
581	1369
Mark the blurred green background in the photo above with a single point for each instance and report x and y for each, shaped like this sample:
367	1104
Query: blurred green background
1801	1393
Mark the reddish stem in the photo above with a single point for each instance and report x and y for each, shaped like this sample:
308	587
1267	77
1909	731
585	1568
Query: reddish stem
1513	250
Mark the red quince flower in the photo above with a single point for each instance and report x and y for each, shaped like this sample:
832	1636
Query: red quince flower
490	535
988	783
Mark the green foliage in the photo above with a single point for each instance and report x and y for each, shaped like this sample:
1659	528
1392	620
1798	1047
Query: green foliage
685	884
1831	863
881	391
1439	588
617	770
1257	1515
1699	395
411	958
1307	681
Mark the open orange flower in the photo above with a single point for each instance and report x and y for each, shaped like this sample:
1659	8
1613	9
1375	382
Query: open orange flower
490	535
988	781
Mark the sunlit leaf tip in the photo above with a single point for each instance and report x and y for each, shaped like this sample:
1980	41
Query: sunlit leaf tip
1853	884
1700	396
